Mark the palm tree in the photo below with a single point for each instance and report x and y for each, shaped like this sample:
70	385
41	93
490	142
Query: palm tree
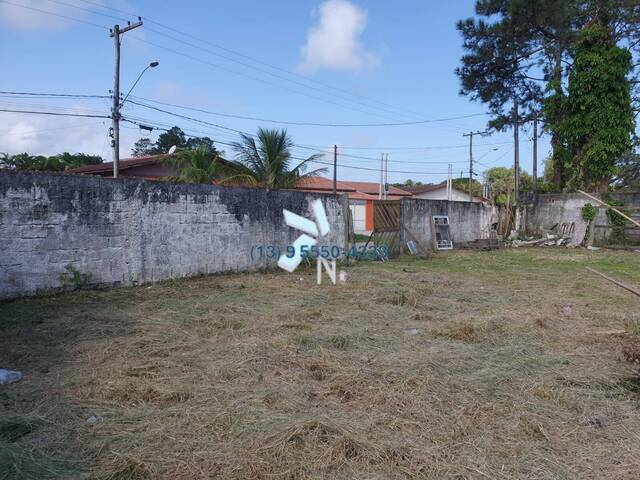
267	160
201	165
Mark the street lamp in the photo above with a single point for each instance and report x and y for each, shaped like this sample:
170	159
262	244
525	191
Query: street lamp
115	112
151	65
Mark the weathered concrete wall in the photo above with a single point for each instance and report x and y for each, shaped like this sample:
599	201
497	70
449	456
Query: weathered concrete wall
468	220
542	212
130	231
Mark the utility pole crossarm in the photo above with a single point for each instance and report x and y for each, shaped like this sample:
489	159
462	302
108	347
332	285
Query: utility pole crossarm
131	26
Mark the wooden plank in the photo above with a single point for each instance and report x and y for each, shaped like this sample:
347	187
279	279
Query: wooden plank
613	280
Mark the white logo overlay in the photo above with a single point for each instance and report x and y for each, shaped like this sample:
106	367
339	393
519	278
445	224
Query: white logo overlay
312	231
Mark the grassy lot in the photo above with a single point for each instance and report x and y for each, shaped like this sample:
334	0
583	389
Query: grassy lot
515	369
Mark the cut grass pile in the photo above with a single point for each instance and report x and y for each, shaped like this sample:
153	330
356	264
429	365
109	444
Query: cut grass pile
510	371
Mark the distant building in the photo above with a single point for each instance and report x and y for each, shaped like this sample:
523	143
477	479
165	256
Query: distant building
439	192
361	196
150	168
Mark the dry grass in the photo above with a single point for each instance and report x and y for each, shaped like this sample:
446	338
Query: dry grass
505	374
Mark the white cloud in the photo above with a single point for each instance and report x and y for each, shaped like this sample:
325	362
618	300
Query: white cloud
34	17
49	135
334	43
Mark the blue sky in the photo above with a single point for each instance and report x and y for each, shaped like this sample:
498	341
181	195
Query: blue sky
338	61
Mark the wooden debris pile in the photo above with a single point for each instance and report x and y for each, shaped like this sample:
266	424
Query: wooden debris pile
560	235
550	240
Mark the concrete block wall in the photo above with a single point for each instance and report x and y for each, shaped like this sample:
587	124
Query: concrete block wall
542	212
468	220
129	231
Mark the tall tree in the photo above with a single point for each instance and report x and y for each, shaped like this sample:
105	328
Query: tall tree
628	172
598	122
194	143
268	161
166	140
142	147
521	50
173	136
502	183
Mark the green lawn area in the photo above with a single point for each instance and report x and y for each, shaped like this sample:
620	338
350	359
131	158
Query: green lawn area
503	364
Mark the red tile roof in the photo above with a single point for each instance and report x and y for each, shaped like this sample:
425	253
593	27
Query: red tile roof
123	164
365	190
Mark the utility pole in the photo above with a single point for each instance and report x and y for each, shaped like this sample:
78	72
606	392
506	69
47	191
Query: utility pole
449	183
335	168
386	176
535	153
115	111
470	135
516	152
381	175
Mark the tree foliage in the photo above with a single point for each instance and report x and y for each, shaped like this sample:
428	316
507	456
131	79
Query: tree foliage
463	184
597	118
142	148
199	166
522	51
267	160
627	172
174	136
54	163
408	183
501	181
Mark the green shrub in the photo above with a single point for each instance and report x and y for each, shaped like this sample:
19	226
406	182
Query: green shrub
615	218
73	278
588	212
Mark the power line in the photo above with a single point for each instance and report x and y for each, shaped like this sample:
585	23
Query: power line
232	71
426	147
253	67
235	72
314	160
255	60
89	10
54	113
193	119
54	95
54	108
59	15
310	124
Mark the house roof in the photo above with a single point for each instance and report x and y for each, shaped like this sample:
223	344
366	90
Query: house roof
366	190
363	196
122	165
